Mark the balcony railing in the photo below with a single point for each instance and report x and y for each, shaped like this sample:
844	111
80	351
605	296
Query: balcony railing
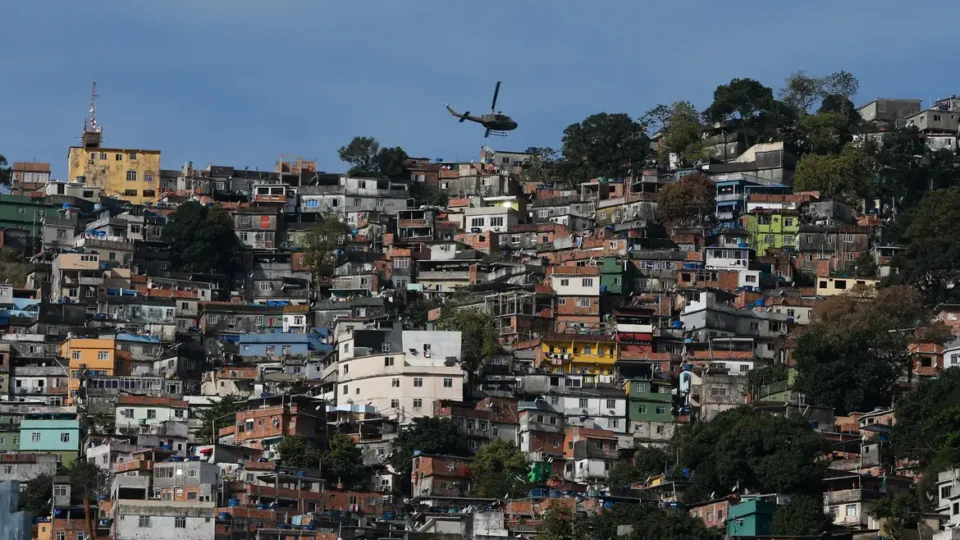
441	275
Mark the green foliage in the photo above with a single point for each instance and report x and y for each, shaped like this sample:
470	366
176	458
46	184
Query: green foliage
690	200
343	463
607	145
221	415
498	471
623	474
430	196
418	310
802	92
681	131
202	239
826	132
650	461
13	268
846	176
557	524
430	436
478	337
758	378
86	481
899	165
6	174
850	356
897	512
321	242
803	516
647	522
367	159
931	260
747	449
740	99
927	432
296	451
541	166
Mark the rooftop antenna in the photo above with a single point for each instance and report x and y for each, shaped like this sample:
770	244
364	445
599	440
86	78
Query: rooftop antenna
92	120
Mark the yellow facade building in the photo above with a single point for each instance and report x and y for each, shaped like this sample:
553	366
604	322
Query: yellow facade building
97	356
129	174
578	354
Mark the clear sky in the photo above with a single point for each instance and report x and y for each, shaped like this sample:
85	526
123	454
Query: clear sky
238	82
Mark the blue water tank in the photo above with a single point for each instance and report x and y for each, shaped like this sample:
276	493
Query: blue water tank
223	516
677	324
233	503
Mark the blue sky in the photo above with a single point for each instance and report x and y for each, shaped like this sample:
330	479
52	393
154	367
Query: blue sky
239	82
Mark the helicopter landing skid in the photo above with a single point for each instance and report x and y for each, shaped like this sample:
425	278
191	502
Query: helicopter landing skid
495	133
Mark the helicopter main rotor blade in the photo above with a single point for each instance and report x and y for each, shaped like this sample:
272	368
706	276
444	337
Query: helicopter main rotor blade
496	92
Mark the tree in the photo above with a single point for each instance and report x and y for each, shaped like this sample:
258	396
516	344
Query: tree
646	521
13	268
897	512
478	337
758	378
826	132
429	435
802	516
6	175
87	481
367	159
343	463
927	432
321	242
418	311
623	474
36	494
748	449
690	200
296	451
853	350
802	91
557	524
846	175
498	471
931	260
740	99
898	165
680	129
541	164
603	145
650	461
221	414
202	239
361	154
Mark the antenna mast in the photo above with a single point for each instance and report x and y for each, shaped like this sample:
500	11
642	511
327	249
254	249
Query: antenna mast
92	120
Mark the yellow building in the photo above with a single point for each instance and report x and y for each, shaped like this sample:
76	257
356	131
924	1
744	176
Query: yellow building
127	173
130	174
829	286
97	356
578	354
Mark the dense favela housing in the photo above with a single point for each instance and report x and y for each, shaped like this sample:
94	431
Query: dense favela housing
740	322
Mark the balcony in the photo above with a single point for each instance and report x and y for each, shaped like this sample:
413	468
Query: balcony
849	496
725	216
729	197
589	450
443	275
270	198
540	426
406	223
54	370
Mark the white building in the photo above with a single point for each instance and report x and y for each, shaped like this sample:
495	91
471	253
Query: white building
137	412
399	372
490	218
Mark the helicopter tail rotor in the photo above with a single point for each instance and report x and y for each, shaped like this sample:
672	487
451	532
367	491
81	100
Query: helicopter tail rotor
463	117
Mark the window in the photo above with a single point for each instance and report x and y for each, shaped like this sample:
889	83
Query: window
118	157
418	382
448	383
851	510
496	222
144	521
661	410
554	400
588	282
564	282
401	262
395	383
35	437
417	403
583	302
394	403
148	177
75	355
936	118
611	404
346	369
64	437
823	284
356	202
751	278
614	423
131	176
790	313
151	413
346	389
149	193
180	522
583	403
477	222
388	361
787	222
946	491
788	240
103	355
61	535
840	284
561	301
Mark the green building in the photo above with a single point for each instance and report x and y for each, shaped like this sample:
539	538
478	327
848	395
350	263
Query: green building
23	212
649	400
752	517
771	229
615	275
51	433
10	432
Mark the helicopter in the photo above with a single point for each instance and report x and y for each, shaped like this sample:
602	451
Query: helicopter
496	123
